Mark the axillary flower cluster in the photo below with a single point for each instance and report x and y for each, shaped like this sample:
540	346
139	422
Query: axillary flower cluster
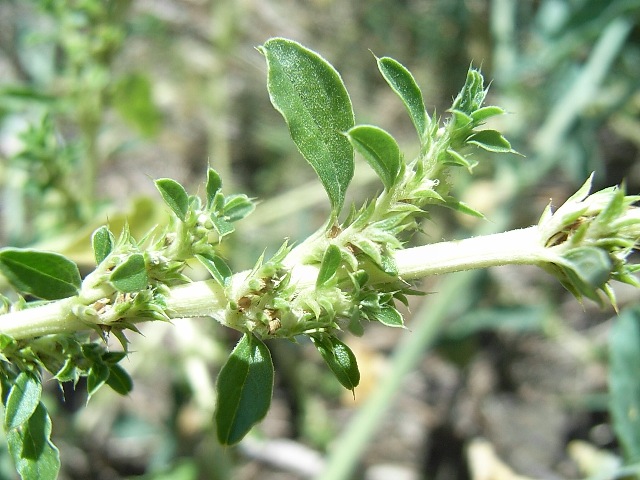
349	272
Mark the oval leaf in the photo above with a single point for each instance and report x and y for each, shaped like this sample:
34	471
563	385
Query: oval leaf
390	317
314	102
119	380
214	184
217	268
490	140
340	359
22	400
236	207
484	113
379	149
46	275
131	275
102	242
30	446
330	263
175	196
244	385
402	82
97	377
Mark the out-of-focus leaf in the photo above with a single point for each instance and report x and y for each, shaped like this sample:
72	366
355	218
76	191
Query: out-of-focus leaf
30	446
624	382
133	99
22	400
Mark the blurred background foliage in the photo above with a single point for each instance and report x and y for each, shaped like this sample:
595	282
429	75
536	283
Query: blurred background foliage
99	97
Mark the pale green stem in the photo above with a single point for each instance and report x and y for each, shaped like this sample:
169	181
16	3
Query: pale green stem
208	299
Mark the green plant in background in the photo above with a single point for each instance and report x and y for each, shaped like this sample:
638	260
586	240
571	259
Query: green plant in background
355	269
69	84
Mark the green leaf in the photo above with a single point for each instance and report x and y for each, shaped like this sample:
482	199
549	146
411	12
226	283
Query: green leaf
102	242
455	204
131	275
339	358
379	149
490	140
591	266
133	99
97	377
472	95
175	196
244	385
314	102
236	207
454	158
624	382
217	268
484	113
30	447
330	263
402	82
222	226
119	380
214	184
390	317
22	401
46	275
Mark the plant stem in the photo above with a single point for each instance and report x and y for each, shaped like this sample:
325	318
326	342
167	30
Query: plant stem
208	299
513	247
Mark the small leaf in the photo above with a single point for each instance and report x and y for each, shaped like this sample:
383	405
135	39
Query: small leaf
379	149
390	317
245	385
455	204
46	275
484	113
236	207
472	94
490	140
454	158
214	184
314	102
97	377
339	358
330	263
119	380
624	382
102	242
216	267
30	446
222	226
402	82
589	268
175	196
22	401
131	275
